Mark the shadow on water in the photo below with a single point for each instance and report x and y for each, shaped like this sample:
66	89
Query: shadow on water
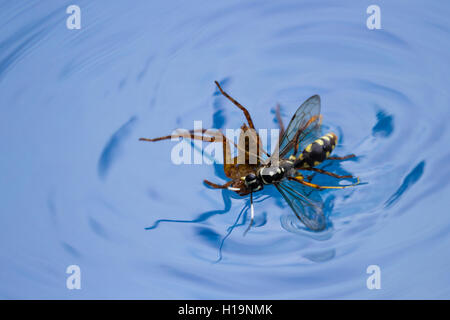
112	148
205	232
212	236
410	180
243	213
260	220
384	126
219	118
203	216
229	231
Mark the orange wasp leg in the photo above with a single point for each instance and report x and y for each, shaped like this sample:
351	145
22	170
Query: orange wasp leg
319	187
328	173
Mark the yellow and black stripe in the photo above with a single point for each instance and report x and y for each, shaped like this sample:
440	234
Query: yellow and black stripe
316	152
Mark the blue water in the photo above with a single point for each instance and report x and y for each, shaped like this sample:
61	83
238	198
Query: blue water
78	188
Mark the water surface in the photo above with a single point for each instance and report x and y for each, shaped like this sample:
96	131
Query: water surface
78	187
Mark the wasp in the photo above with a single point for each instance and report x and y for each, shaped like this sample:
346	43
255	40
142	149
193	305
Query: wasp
301	147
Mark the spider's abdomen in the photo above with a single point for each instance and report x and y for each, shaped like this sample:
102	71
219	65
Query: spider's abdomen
316	152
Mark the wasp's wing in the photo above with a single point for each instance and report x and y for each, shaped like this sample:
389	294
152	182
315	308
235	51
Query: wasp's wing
309	212
303	128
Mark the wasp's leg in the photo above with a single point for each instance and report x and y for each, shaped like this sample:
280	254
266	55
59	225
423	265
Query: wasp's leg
319	187
342	158
311	176
218	186
237	104
328	173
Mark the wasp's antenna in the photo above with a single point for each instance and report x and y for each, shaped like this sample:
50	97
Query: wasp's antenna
252	213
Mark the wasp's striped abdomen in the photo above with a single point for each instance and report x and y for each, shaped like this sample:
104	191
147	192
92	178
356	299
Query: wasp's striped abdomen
316	152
